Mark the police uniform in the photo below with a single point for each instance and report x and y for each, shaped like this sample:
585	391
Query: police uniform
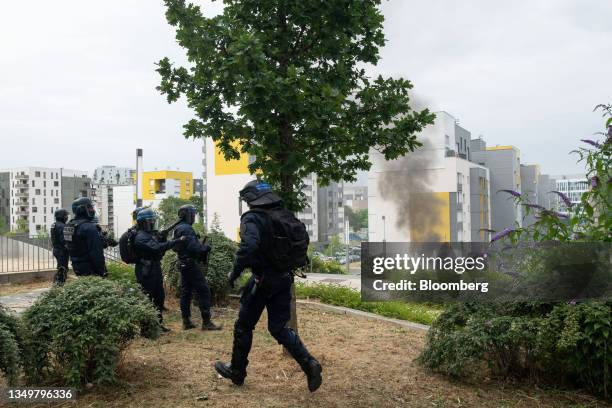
267	289
190	250
148	267
59	249
84	241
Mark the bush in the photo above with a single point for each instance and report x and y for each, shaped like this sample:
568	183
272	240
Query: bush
121	272
77	332
220	262
559	343
351	298
321	266
11	343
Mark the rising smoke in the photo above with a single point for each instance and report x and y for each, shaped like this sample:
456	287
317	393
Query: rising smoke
407	183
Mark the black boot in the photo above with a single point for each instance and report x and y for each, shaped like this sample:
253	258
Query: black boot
226	370
313	370
207	324
307	362
187	324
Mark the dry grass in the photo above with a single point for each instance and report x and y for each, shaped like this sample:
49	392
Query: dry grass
366	364
13	288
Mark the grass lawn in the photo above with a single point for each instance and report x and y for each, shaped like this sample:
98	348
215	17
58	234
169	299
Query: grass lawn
366	364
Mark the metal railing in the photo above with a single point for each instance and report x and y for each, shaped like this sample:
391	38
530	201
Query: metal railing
21	253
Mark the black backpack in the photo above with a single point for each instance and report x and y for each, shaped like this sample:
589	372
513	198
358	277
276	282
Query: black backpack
127	249
288	244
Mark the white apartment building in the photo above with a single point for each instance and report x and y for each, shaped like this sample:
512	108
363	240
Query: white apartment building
573	186
434	194
223	179
113	175
356	197
31	195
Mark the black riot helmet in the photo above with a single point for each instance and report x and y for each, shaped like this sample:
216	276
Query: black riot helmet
61	215
258	194
83	208
146	219
187	213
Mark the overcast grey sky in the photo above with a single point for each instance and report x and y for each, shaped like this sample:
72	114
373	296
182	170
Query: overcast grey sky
77	79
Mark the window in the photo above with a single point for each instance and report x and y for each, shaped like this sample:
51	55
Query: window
37	227
56	201
34	209
33	201
45	174
56	184
45	183
37	174
33	183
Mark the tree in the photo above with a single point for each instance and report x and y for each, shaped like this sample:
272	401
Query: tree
22	226
168	210
357	219
3	227
283	81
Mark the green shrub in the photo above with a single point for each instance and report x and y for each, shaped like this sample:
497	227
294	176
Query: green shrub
220	262
11	341
559	343
321	266
118	271
77	332
351	298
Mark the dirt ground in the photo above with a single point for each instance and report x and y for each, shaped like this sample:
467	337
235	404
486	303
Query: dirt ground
365	364
13	288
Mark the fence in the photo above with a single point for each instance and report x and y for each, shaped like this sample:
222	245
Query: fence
20	253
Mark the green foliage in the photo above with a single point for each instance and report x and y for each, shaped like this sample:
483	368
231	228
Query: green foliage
220	262
544	341
118	271
22	226
270	78
168	210
357	219
589	221
547	342
3	227
351	298
76	333
335	246
11	343
321	266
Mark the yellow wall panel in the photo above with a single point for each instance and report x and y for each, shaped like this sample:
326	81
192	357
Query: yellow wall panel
226	167
438	226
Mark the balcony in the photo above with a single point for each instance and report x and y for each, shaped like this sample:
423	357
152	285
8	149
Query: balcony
22	212
22	194
21	177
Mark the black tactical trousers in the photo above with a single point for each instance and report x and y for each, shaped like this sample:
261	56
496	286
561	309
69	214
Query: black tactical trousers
149	276
192	280
273	294
61	257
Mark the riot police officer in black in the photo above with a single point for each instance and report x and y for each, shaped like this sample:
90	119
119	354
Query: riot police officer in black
150	251
84	241
268	288
59	248
190	251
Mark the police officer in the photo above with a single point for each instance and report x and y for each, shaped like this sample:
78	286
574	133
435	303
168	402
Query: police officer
267	288
59	248
150	251
107	240
83	240
190	250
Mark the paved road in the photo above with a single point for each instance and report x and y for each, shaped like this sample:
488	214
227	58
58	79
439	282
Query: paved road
352	281
18	302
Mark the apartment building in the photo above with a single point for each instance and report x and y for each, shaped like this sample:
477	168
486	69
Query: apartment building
530	179
331	211
504	167
435	194
157	185
573	186
356	197
29	196
223	179
113	175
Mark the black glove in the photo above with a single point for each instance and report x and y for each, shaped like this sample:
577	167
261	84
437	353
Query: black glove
231	279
